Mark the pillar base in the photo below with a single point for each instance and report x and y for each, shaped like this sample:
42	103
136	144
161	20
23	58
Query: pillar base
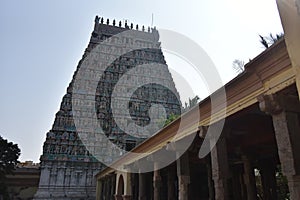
294	187
221	189
143	198
183	182
126	197
118	197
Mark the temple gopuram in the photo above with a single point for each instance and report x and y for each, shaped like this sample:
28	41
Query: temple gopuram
68	167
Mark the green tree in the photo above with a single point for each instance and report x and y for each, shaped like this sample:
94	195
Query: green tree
163	123
267	41
192	102
171	118
9	154
238	65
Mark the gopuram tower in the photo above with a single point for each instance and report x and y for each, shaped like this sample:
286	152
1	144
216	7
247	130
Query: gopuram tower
114	65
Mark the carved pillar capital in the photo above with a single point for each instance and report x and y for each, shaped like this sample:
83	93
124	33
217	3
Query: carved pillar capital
274	104
202	130
269	104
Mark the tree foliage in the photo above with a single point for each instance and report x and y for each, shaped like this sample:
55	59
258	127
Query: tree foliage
267	41
164	122
238	65
171	118
9	154
281	185
192	102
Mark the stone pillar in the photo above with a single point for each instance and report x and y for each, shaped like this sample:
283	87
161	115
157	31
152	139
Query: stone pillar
158	160
210	182
238	186
156	182
45	176
183	183
89	177
284	111
287	133
107	191
118	192
134	185
268	179
202	133
53	176
113	185
60	176
68	177
73	178
128	187
183	174
109	184
171	183
99	190
249	178
142	186
43	190
82	177
103	189
294	186
220	169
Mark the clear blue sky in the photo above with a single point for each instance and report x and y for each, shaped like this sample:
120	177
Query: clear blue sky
42	42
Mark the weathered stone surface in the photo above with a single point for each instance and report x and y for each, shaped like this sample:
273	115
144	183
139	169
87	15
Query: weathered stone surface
220	169
183	174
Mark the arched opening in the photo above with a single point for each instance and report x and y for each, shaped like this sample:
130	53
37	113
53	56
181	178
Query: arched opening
120	186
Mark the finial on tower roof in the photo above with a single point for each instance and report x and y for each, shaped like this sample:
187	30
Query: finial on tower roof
155	33
102	20
114	22
120	24
97	19
137	27
143	28
107	21
131	26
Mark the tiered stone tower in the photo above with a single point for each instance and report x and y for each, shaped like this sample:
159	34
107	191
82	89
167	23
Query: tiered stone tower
67	166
